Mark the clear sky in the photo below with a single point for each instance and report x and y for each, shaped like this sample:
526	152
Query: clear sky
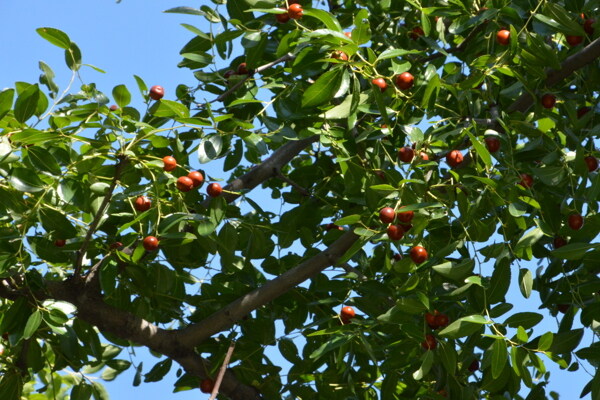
136	37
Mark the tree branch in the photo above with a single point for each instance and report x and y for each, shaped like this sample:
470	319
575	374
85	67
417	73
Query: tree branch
123	160
578	60
266	170
288	56
196	333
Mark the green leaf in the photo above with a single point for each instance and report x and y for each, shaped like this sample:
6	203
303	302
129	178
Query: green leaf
545	341
6	100
210	149
11	385
499	357
27	103
141	85
329	345
159	370
83	391
43	160
55	36
500	282
426	364
361	33
323	90
574	251
481	150
55	221
464	326
325	17
525	319
169	109
455	271
73	57
393	53
348	220
121	95
448	355
99	391
566	23
525	282
565	342
33	323
433	87
184	10
25	180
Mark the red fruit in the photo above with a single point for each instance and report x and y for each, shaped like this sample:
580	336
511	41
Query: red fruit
441	320
348	34
429	343
416	32
563	308
60	242
115	245
418	254
207	386
405	80
405	216
581	111
214	189
150	243
574	40
347	313
397	257
526	181
442	392
424	156
169	163
454	158
142	203
380	83
575	222
114	107
282	18
395	232
592	163
503	37
430	319
242	69
474	366
492	143
380	175
156	92
548	100
588	26
228	73
559	242
406	227
340	55
196	177
387	215
406	154
295	11
185	184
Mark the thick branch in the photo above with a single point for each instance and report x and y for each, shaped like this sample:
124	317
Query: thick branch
578	60
266	170
222	319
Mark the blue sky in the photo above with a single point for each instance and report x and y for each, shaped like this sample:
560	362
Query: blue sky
136	37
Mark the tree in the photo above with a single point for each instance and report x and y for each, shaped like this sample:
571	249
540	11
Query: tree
481	175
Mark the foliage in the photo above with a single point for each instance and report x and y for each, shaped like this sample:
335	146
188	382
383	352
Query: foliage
310	128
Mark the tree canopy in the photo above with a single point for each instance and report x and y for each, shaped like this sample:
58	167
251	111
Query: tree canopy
425	154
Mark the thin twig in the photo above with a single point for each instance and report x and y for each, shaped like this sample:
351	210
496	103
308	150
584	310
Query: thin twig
222	370
94	225
288	56
290	182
